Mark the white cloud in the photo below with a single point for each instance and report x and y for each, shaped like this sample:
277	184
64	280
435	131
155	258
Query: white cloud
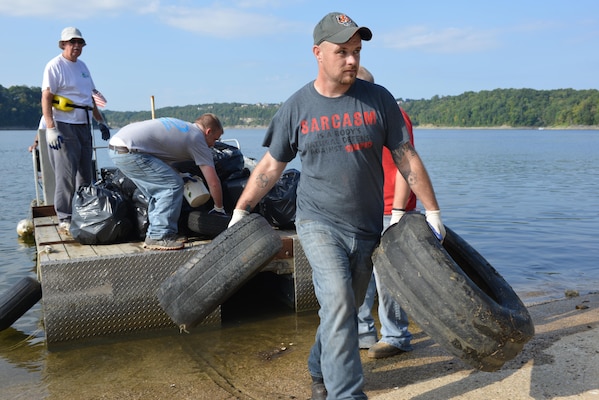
449	40
216	20
225	22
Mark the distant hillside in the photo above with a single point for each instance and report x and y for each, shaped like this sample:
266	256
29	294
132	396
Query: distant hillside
230	114
508	107
20	109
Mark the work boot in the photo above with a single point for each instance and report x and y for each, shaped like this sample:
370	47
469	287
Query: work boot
384	350
319	392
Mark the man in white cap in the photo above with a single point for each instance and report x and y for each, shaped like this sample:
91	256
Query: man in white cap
67	102
339	125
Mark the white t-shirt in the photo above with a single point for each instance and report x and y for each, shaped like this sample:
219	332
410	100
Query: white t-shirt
73	81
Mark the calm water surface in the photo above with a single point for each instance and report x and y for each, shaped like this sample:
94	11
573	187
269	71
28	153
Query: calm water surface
527	200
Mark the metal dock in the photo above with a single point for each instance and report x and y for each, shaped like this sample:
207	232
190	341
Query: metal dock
100	290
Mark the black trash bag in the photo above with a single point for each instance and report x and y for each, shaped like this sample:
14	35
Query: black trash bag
99	216
232	189
139	206
228	162
115	179
278	206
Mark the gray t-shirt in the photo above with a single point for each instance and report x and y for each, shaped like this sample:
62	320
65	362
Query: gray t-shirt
169	139
340	142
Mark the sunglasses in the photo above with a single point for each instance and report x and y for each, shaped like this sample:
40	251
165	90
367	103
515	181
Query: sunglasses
77	41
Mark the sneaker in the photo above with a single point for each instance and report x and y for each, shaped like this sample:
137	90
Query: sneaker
319	392
64	228
383	350
164	243
181	238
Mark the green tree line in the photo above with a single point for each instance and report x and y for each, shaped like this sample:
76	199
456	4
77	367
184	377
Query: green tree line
230	114
508	107
20	109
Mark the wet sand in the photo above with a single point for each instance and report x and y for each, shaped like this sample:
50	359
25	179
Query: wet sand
266	359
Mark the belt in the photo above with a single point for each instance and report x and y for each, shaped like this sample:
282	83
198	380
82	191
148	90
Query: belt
121	149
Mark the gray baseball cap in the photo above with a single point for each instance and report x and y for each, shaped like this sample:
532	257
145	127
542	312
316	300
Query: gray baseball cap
338	28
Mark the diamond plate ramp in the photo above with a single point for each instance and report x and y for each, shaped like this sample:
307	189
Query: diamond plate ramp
108	295
305	298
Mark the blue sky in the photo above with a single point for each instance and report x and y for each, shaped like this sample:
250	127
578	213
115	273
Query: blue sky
194	52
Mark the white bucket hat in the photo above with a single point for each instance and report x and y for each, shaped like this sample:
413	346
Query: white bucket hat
68	34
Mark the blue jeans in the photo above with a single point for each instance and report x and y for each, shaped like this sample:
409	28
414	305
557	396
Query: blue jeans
394	320
162	186
341	268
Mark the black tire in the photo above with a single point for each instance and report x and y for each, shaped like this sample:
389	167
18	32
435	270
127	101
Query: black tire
208	225
219	269
453	294
18	300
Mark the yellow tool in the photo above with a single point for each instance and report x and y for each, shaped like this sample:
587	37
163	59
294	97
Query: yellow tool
62	103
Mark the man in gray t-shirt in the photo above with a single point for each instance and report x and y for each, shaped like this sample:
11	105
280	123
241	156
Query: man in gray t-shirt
340	146
144	152
338	126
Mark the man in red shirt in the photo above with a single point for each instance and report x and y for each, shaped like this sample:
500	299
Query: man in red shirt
395	336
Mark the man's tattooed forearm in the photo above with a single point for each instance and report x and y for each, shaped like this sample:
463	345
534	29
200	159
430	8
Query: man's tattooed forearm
399	155
262	180
409	149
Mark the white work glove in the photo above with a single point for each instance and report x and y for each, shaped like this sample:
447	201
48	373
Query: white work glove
396	215
434	221
54	138
218	211
237	215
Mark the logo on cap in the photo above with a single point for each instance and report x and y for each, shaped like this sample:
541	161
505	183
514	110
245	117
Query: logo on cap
344	20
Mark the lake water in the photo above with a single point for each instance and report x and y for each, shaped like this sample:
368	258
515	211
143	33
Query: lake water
527	200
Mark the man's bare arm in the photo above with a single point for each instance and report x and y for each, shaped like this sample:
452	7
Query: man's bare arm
411	167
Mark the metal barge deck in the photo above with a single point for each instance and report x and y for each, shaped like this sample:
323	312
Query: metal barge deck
100	290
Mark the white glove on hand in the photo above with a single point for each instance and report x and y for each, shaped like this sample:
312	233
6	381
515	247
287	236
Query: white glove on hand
237	215
396	215
434	221
54	138
218	211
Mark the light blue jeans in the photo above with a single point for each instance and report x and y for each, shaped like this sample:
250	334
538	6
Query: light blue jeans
341	268
162	186
394	320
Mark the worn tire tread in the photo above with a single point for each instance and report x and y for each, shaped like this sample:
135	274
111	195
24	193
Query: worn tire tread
18	300
218	270
453	293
